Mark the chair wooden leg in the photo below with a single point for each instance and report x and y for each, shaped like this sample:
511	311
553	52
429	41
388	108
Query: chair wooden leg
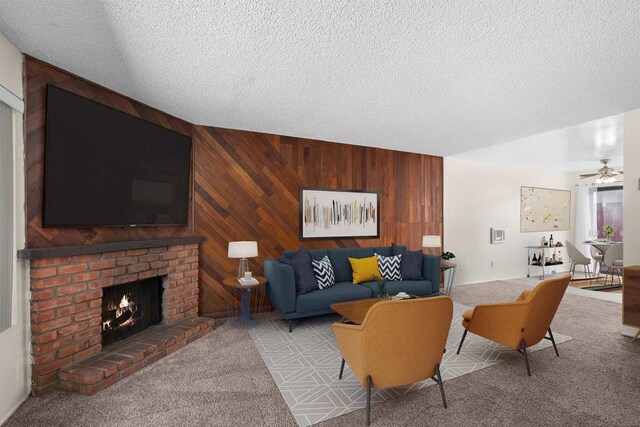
464	335
368	399
341	369
444	399
526	358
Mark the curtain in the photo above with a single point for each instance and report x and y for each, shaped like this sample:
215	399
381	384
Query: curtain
586	223
6	215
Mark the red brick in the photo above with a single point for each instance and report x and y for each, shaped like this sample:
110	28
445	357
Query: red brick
112	255
158	264
71	289
51	346
86	296
74	328
41	273
87	258
191	246
86	375
191	273
72	349
72	268
158	250
101	265
95	340
137	268
49	282
83	277
88	333
94	312
134	252
95	303
176	262
41	390
71	309
101	283
113	272
132	369
149	258
90	390
95	321
176	248
127	261
126	278
109	368
50	325
147	274
44	358
168	255
48	304
43	338
50	367
122	362
42	294
42	316
88	352
46	262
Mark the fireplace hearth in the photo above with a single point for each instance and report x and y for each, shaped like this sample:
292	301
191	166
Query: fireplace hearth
130	308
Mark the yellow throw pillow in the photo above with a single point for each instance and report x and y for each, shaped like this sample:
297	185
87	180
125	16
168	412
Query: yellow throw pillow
365	269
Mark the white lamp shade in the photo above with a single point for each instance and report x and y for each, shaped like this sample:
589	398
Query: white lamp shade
431	242
243	250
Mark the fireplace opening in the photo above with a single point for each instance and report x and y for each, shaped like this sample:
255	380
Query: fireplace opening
130	308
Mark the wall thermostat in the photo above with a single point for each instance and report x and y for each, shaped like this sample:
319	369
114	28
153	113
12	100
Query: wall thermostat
497	235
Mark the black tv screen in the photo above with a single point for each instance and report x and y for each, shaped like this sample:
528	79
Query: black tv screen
104	167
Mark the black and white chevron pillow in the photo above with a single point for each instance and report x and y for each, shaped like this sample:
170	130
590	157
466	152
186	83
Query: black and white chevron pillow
324	272
389	266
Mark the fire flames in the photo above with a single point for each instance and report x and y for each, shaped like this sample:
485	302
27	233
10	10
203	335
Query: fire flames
125	314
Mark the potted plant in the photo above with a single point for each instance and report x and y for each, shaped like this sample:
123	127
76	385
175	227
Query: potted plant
447	256
382	289
608	230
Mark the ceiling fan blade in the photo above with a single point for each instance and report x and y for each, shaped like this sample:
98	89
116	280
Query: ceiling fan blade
589	175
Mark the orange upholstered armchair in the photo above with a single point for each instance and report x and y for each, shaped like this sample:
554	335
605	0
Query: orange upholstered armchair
522	323
398	343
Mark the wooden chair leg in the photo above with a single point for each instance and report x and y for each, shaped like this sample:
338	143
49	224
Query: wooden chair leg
368	399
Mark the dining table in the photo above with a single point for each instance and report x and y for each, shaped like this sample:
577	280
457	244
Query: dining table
601	245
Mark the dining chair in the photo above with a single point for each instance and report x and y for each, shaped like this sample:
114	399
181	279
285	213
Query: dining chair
598	257
522	323
398	343
578	258
613	261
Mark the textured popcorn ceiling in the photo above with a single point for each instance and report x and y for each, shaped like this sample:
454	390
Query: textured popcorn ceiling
438	77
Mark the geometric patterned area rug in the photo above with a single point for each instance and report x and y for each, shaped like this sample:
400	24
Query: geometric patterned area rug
305	365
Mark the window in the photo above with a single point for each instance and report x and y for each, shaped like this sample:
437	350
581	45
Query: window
609	210
6	215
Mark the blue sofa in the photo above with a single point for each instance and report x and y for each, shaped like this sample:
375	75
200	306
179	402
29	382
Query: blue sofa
281	287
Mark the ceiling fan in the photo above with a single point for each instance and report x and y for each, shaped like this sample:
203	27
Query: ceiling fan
605	174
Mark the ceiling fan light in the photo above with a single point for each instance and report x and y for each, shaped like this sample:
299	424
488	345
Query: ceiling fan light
599	180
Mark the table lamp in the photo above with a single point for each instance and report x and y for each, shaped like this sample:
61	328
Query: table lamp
243	250
431	242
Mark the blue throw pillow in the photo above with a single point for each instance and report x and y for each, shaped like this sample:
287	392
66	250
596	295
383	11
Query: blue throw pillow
411	263
300	260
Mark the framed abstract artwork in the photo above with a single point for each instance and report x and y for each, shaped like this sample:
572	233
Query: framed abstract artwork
544	209
330	214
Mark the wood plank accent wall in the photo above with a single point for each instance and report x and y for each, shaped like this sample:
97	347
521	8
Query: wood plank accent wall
247	188
38	75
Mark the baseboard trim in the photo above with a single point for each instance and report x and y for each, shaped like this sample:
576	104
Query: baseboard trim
12	411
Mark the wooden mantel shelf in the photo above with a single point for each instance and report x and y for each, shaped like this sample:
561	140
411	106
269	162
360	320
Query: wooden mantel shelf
61	251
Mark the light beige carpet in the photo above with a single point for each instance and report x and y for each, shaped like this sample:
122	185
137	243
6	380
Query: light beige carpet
221	380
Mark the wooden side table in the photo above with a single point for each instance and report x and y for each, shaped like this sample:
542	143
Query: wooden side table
451	268
238	298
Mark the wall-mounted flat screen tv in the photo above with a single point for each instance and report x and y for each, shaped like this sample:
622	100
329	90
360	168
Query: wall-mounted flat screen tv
104	167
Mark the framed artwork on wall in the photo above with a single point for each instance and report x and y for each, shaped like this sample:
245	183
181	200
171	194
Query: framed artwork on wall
544	209
332	214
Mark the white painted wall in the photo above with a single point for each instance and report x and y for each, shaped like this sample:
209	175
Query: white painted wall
631	193
15	373
480	195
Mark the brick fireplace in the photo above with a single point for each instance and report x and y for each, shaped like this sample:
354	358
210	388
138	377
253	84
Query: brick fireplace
67	286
